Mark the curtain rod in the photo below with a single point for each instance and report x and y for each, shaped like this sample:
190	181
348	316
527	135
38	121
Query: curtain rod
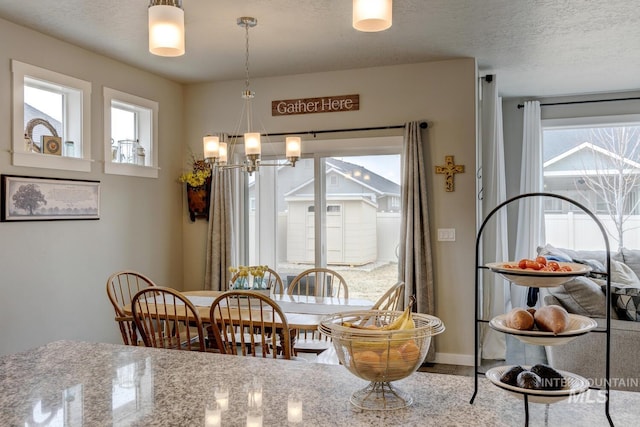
423	125
584	102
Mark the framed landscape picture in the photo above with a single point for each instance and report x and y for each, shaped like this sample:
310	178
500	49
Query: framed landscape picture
26	198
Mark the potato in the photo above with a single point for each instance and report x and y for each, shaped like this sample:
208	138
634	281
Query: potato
552	318
519	318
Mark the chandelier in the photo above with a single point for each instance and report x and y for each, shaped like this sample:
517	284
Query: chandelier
216	152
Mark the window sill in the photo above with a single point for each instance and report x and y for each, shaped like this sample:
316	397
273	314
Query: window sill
131	170
48	161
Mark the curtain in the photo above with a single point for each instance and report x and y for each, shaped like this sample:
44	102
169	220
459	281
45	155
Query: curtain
414	264
530	209
220	246
495	290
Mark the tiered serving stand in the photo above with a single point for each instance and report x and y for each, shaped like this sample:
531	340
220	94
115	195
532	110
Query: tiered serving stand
579	325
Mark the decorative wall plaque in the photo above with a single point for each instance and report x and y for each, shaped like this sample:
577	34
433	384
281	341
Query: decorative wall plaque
325	104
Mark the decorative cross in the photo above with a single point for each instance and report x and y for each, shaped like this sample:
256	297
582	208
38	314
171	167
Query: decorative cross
449	170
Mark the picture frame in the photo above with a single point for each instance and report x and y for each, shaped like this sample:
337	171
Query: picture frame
52	145
29	198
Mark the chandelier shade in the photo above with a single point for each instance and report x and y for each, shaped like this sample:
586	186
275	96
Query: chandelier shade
372	15
166	28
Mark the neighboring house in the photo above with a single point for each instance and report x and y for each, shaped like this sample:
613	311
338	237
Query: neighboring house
566	173
355	197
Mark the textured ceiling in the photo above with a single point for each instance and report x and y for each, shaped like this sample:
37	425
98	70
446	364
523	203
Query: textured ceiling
536	48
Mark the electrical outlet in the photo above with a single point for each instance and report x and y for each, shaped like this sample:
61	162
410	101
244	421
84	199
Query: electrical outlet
446	234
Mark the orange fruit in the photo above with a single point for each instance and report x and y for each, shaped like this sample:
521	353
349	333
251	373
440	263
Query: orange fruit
410	352
367	362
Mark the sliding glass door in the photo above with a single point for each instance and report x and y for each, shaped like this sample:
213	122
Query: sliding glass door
340	212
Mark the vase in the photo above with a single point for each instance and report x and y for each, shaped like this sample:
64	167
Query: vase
199	199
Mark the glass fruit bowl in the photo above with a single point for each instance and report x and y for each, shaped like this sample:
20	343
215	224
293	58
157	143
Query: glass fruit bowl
381	346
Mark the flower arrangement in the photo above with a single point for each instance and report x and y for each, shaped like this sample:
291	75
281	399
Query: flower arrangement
249	277
199	173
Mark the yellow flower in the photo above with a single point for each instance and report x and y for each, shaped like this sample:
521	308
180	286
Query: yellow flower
198	175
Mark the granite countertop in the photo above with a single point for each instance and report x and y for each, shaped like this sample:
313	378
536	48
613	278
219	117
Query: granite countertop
93	384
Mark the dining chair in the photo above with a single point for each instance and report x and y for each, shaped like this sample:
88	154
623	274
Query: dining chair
391	299
165	318
320	282
273	279
330	284
121	287
249	323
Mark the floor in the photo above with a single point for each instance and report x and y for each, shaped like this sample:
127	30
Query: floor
517	354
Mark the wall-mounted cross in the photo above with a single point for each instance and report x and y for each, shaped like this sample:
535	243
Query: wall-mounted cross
449	170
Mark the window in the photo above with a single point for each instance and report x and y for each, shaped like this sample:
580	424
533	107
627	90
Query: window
52	107
130	135
595	161
355	235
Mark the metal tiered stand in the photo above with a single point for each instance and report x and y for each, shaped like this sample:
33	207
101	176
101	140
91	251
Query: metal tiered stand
478	321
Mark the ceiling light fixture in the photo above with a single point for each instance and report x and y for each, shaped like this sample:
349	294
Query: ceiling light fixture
372	15
217	153
166	27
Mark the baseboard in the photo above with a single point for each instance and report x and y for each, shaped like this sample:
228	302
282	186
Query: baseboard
454	359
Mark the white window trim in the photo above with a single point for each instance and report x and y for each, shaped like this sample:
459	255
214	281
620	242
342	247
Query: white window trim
38	160
591	121
114	168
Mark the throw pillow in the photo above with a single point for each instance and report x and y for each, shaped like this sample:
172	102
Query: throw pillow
622	273
552	253
631	257
626	302
581	295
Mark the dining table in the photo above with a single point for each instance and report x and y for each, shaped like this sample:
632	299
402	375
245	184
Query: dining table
301	311
76	383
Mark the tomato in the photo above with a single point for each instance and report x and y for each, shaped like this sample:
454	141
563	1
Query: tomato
565	268
542	260
533	265
554	265
523	264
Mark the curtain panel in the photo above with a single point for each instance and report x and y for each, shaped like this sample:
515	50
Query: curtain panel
415	265
531	231
494	289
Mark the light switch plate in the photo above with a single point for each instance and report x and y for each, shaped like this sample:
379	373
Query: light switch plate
446	234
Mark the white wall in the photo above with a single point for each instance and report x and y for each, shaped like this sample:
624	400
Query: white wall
443	93
53	274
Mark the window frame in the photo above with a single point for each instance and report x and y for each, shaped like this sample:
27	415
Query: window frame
591	121
77	116
146	130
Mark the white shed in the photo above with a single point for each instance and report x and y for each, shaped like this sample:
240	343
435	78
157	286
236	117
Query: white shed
351	230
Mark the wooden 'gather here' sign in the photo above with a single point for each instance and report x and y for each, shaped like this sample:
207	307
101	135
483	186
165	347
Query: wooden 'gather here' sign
326	104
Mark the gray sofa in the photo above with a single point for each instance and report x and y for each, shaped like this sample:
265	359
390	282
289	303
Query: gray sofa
585	355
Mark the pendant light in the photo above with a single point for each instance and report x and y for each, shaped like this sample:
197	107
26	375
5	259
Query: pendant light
372	15
166	27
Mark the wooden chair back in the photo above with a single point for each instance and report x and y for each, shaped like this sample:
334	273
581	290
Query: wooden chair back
165	318
392	299
273	279
321	282
121	287
249	323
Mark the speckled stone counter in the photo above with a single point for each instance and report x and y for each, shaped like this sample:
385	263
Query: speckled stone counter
87	384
